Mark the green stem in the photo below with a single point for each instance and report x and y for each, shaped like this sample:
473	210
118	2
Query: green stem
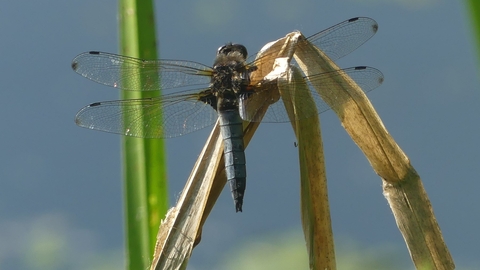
145	185
474	9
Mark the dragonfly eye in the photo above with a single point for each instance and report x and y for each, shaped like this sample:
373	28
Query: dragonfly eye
221	49
230	47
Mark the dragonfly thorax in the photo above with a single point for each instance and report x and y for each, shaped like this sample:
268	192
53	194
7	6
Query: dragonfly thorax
227	83
230	76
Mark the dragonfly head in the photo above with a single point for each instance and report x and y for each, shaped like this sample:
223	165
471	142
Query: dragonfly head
232	56
233	49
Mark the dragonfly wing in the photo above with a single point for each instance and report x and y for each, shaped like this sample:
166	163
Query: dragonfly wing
338	40
343	38
161	117
366	77
130	73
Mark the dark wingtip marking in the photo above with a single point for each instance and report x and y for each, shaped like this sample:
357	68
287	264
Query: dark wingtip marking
380	80
353	19
94	52
74	65
375	28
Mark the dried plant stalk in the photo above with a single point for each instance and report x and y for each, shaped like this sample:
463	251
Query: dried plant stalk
401	183
315	209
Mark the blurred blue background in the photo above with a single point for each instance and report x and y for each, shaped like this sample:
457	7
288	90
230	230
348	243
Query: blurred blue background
61	194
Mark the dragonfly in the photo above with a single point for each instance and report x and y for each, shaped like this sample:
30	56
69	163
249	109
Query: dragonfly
195	96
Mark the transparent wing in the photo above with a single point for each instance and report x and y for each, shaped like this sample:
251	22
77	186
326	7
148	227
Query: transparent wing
161	117
146	75
142	75
340	39
366	77
343	38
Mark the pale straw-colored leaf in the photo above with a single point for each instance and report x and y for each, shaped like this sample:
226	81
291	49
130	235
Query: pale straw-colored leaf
402	185
315	210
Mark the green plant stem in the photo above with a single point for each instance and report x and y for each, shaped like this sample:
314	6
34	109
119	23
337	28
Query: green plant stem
474	9
144	170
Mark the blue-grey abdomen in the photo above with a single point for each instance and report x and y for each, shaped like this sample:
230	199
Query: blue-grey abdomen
231	127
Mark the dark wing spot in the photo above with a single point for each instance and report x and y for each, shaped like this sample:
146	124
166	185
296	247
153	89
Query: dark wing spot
353	19
94	52
95	104
74	65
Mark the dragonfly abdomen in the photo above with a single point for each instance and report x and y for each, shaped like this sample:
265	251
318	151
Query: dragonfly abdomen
234	155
